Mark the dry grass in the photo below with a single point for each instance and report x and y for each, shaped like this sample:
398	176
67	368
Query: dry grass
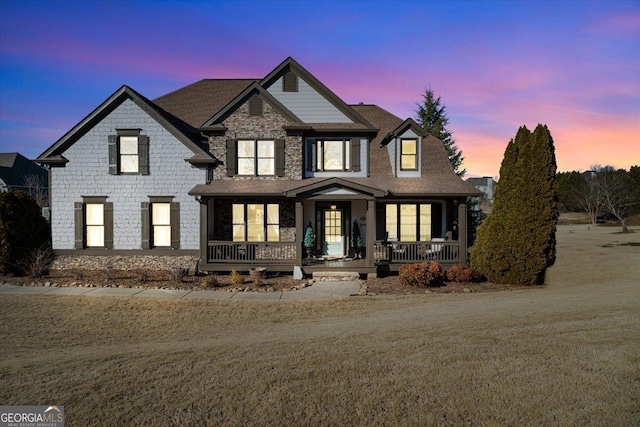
563	354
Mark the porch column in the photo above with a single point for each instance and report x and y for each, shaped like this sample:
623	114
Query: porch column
203	231
299	231
371	232
462	230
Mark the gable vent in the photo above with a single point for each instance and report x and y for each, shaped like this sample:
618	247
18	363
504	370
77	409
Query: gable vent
255	106
289	82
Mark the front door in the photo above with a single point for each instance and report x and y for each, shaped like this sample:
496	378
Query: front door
333	232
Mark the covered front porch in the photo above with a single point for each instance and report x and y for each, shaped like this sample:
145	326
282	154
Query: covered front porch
355	228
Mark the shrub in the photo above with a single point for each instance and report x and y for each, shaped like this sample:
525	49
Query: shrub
37	262
237	279
178	273
421	275
22	230
210	281
462	273
517	242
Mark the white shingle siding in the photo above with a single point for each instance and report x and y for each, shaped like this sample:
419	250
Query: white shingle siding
87	174
307	104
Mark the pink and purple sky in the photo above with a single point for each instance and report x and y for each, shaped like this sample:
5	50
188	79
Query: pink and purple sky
573	65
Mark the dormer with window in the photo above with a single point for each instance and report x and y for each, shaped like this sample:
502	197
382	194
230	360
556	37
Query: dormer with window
404	146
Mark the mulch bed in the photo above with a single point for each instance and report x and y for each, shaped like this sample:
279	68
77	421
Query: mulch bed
146	279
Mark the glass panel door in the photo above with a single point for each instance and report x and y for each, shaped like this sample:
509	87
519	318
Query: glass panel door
333	232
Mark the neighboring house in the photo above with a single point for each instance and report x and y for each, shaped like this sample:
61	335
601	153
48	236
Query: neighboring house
231	172
487	186
19	173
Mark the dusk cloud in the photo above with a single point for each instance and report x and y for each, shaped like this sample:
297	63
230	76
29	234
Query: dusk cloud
574	66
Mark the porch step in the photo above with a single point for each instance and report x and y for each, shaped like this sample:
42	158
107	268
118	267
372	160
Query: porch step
335	276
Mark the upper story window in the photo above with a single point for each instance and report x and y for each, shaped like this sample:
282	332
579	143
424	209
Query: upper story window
335	155
290	82
408	154
128	153
255	157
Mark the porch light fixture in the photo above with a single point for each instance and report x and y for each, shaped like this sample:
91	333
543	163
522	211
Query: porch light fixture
334	207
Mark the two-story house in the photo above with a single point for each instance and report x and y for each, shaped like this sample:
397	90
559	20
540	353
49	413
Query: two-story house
232	172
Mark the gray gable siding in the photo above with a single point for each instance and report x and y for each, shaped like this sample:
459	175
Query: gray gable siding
307	104
87	174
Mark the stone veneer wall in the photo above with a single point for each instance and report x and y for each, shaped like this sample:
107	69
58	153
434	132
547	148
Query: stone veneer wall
269	126
127	262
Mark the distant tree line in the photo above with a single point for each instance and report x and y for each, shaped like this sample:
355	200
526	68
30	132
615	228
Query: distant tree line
601	191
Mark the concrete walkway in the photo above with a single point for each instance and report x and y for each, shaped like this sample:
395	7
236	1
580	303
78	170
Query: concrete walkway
318	291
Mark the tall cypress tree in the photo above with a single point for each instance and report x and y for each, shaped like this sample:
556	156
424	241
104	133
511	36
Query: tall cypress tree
431	116
516	243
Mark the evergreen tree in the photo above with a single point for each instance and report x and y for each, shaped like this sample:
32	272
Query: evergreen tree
432	117
516	243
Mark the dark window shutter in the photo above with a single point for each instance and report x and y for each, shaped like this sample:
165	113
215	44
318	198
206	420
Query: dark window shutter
312	160
175	225
108	225
232	158
290	82
78	213
145	216
255	106
143	154
280	160
355	154
113	154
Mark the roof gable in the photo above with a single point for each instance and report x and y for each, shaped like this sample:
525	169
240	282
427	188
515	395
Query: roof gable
335	187
198	102
14	167
175	126
290	65
253	89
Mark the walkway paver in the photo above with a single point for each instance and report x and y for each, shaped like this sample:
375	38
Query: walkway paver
209	295
112	292
318	291
26	290
68	291
162	293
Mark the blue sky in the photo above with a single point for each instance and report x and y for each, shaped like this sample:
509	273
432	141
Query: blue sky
573	65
